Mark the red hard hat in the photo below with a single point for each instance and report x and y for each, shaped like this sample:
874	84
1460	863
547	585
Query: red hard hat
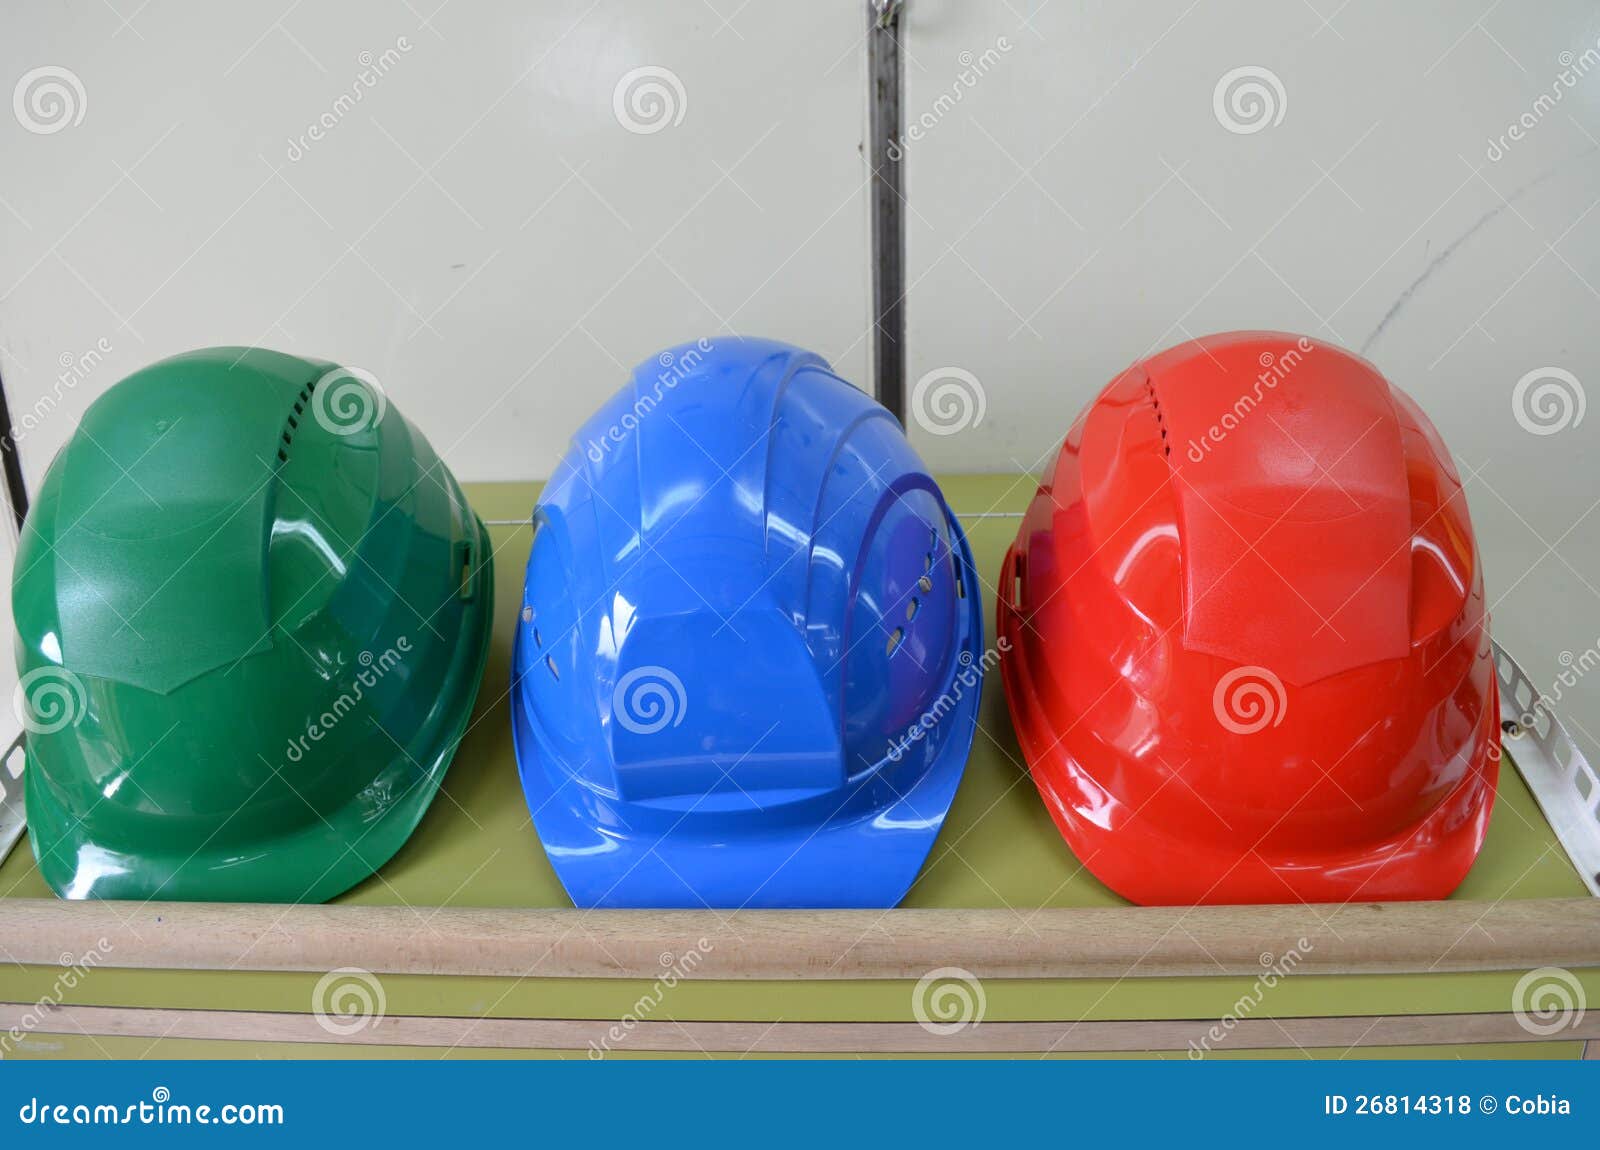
1246	648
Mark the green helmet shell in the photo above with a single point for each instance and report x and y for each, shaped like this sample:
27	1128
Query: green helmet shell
252	610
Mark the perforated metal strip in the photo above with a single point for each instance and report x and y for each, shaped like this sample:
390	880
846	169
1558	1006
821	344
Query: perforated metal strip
1556	771
12	818
888	231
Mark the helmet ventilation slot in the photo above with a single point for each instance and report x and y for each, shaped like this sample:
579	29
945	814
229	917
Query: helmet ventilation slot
466	586
292	423
955	569
1161	422
538	641
924	585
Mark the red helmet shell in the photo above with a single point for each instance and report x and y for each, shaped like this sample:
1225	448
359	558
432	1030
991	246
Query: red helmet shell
1247	652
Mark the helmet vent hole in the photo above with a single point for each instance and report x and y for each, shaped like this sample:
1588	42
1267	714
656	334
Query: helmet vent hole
537	640
925	584
291	424
527	614
912	608
893	644
550	663
1161	421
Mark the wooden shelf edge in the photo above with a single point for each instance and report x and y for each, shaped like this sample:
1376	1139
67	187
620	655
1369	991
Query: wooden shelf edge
1197	1038
1114	942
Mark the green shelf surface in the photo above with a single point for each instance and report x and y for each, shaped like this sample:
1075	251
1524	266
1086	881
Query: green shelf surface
477	847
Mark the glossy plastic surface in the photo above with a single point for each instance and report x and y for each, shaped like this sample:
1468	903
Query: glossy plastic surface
252	614
746	668
1249	657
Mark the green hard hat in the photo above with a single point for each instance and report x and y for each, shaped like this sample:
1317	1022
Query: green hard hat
252	611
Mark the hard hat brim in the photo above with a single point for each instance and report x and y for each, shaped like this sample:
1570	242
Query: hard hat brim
859	861
332	852
1153	866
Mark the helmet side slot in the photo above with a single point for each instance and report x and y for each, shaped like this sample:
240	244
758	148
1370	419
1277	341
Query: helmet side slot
292	423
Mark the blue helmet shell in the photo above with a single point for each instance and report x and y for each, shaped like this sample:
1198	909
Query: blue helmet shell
748	658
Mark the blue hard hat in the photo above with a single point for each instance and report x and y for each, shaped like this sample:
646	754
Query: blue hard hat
749	654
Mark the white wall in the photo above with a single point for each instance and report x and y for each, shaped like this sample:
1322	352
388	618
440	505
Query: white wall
479	230
483	233
1083	204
